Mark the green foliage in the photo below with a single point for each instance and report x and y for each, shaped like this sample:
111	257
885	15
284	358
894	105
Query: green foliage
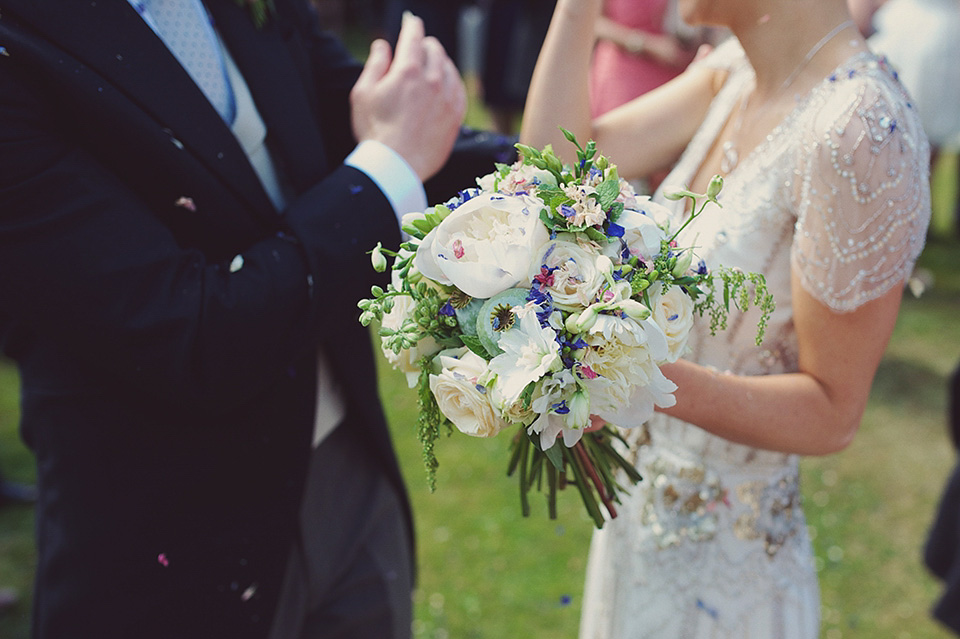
429	421
743	289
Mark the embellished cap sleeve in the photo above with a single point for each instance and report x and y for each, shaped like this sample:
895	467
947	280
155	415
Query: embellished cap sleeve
864	196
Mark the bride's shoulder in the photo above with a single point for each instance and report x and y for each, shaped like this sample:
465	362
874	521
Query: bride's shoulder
864	92
722	61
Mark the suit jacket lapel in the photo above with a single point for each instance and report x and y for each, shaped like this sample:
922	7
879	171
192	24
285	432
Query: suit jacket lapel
277	73
113	41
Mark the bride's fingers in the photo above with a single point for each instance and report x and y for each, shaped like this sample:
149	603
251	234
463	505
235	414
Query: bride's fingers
596	423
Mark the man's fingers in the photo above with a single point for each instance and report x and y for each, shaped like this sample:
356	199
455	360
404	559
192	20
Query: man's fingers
410	42
453	85
377	64
434	63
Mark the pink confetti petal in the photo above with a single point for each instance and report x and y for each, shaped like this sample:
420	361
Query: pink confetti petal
185	202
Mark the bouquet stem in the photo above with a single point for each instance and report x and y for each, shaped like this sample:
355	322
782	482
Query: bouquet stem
590	465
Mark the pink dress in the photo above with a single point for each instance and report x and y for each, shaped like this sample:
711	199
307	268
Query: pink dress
617	76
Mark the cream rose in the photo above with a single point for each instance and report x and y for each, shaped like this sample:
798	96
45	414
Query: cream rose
485	246
460	395
673	313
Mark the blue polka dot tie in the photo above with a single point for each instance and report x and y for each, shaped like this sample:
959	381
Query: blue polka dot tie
185	28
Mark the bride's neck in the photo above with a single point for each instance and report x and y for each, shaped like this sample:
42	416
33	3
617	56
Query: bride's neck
779	44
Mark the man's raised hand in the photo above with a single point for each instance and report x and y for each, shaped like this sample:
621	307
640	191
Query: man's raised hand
413	101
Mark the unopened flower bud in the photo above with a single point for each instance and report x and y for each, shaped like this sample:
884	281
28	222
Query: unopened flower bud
378	260
683	263
713	189
579	415
604	265
634	309
554	164
584	321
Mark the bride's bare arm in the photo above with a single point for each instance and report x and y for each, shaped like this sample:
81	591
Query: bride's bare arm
858	233
815	411
641	136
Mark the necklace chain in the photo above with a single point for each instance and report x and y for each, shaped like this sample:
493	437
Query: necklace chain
730	155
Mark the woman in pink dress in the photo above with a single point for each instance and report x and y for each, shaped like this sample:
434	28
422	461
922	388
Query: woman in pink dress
639	47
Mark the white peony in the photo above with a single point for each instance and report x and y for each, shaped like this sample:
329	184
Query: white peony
628	383
576	280
460	395
673	312
485	246
641	233
628	332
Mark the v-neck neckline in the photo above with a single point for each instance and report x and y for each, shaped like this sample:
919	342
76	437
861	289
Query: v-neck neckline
745	80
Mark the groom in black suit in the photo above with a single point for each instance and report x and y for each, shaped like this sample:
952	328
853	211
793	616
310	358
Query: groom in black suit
183	241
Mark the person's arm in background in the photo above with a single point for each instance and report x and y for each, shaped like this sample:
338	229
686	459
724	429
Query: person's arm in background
665	48
641	136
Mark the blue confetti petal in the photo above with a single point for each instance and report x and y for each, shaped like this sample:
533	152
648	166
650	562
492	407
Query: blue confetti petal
710	611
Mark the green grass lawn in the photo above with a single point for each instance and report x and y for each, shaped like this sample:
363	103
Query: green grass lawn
488	573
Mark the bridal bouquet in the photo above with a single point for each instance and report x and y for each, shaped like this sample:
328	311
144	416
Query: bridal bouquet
545	301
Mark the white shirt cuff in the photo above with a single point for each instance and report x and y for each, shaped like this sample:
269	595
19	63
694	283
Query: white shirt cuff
392	174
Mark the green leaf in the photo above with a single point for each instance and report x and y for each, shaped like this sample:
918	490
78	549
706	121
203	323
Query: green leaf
474	344
608	192
596	234
555	455
423	224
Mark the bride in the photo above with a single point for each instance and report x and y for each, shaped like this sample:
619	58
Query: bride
826	193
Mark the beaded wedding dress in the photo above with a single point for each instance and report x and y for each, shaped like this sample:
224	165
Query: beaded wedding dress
712	543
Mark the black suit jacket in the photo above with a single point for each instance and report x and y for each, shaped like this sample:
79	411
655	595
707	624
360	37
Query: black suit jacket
169	397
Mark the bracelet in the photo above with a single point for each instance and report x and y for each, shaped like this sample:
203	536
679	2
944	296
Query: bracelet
635	45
